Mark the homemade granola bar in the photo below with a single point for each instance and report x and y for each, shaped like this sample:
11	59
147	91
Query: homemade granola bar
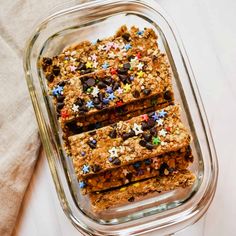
104	200
126	71
126	142
157	166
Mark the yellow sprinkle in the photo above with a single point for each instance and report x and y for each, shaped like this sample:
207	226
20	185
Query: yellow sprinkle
65	62
136	184
140	74
127	88
89	64
123	189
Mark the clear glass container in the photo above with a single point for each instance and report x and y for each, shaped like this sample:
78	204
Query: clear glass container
167	212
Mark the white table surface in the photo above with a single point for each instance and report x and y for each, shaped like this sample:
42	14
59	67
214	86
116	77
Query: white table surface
208	31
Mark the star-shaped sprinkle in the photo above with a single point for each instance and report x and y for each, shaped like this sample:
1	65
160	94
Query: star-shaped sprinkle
89	64
137	129
113	71
94	57
64	114
86	169
155	116
140	74
111	96
139	55
95	91
75	108
73	68
159	122
105	65
163	143
105	100
82	184
58	90
101	47
145	117
127	46
95	64
115	46
162	132
89	104
109	89
140	66
127	88
113	152
156	141
168	129
73	53
162	113
111	55
94	41
119	90
119	103
140	32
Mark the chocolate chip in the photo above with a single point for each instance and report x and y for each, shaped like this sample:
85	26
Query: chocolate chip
99	106
113	133
60	105
136	94
131	133
168	95
131	199
96	168
108	80
50	78
62	83
131	57
153	131
125	136
96	101
56	70
163	167
127	66
126	36
83	108
92	145
60	98
82	66
72	126
142	143
151	123
124	78
47	61
100	95
144	125
115	86
147	136
129	176
79	102
149	146
85	87
90	82
121	71
101	85
147	91
116	161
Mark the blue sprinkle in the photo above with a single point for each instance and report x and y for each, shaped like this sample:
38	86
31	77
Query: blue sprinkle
89	104
105	65
82	184
110	159
136	165
94	141
111	96
131	78
105	100
83	153
109	89
155	116
128	46
85	169
162	113
140	32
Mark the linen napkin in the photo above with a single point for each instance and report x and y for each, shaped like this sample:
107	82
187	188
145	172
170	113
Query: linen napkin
19	141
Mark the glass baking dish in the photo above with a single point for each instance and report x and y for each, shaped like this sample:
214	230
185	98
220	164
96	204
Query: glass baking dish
165	212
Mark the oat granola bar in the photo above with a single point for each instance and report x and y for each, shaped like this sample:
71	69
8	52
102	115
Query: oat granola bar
104	200
126	142
157	166
127	72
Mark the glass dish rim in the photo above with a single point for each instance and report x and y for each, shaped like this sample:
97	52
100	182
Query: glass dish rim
189	69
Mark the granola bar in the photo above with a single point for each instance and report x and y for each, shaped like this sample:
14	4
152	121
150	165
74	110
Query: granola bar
127	71
137	191
126	142
157	166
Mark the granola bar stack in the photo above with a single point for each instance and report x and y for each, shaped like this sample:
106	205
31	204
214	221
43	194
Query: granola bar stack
115	104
